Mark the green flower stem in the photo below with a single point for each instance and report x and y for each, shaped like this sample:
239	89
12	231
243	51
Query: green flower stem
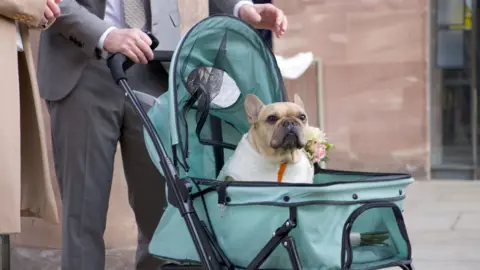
368	238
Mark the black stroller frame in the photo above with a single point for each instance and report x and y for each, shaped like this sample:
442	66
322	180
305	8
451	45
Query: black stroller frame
179	194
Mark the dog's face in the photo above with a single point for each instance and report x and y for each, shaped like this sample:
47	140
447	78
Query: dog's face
277	128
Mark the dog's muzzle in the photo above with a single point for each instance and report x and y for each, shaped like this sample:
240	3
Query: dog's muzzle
289	136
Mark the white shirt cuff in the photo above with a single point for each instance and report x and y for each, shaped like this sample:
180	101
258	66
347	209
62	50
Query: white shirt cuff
239	5
103	53
104	36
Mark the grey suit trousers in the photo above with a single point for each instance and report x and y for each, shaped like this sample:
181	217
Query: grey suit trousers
86	128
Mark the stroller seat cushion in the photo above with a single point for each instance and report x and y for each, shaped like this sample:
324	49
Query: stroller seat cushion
246	164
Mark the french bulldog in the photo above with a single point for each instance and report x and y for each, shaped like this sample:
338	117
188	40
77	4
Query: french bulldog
272	150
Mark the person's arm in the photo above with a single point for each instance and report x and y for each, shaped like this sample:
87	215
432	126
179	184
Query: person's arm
28	12
80	26
261	16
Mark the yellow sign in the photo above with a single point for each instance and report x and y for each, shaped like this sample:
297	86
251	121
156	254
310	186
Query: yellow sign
467	21
468	18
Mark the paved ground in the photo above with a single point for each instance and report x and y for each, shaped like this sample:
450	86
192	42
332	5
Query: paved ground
443	220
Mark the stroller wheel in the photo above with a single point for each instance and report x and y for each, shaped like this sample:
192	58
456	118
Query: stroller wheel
407	266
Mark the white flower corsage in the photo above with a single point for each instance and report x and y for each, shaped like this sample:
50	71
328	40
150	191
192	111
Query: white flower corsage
317	146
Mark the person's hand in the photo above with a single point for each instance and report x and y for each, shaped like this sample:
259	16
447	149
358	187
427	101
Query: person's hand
133	43
264	16
52	11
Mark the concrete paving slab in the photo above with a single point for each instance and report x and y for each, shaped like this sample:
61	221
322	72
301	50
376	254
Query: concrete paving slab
444	238
450	252
36	259
429	221
446	265
468	221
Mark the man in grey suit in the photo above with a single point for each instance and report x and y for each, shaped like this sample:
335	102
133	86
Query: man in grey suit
90	114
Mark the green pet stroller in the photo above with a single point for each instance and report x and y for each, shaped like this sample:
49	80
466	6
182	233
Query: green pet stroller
210	224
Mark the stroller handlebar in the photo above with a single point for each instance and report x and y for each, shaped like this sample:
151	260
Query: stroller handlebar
119	63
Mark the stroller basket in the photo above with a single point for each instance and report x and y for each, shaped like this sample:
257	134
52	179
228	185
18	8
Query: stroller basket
313	223
344	220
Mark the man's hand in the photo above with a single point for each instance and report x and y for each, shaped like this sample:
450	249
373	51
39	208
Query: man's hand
133	43
52	11
264	16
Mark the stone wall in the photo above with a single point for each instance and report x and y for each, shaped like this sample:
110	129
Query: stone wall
374	55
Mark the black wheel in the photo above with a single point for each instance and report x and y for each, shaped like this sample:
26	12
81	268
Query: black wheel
407	266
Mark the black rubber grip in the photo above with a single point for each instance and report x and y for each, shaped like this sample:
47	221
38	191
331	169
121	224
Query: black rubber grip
119	63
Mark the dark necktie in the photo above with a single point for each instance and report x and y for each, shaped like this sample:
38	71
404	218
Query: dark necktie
134	13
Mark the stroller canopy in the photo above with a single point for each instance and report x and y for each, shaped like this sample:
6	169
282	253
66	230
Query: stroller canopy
217	63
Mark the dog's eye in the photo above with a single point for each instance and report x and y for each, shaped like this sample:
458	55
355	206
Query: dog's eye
272	119
302	117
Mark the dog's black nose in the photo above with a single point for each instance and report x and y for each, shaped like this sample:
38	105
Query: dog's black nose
289	123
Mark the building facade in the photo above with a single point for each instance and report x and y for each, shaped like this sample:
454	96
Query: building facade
396	80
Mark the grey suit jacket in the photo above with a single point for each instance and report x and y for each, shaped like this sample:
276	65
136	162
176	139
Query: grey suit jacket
70	43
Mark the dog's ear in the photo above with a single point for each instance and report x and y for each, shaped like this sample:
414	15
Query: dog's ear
253	106
297	100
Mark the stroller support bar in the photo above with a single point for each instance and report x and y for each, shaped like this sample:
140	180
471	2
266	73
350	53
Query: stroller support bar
289	244
280	236
223	258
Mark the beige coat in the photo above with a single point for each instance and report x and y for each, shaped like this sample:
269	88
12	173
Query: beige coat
25	177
